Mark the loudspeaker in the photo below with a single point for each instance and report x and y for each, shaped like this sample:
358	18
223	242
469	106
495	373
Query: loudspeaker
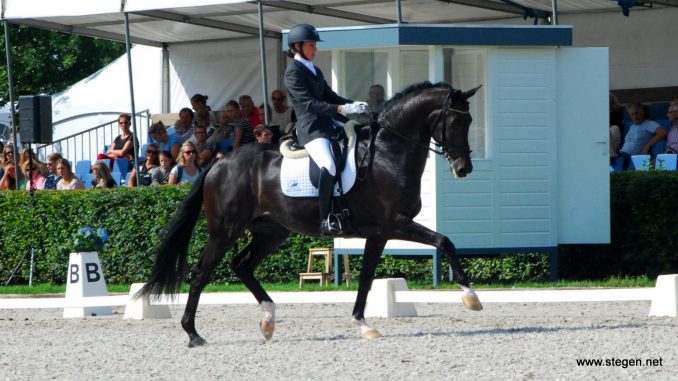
35	118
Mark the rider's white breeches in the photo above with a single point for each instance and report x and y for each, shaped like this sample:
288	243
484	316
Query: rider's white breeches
320	152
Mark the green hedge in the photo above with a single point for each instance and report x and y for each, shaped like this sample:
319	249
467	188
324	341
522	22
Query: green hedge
644	225
644	235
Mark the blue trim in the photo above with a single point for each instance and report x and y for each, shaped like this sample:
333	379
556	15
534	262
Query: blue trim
443	34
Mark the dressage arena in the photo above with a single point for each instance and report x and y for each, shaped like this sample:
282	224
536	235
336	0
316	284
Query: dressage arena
505	341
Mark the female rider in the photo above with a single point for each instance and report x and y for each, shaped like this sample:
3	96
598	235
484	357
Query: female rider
315	104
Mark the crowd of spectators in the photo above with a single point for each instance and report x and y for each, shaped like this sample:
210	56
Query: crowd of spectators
174	155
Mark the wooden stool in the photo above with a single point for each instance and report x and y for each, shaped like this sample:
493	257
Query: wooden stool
324	276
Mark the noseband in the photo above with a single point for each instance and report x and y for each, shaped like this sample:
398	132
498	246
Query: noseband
445	150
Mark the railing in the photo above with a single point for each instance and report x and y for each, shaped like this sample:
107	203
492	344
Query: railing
85	145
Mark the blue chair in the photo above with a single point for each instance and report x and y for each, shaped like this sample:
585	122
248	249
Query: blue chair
225	145
640	162
87	178
658	148
666	161
658	110
120	165
118	178
82	167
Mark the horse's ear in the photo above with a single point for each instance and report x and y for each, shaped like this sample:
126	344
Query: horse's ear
469	93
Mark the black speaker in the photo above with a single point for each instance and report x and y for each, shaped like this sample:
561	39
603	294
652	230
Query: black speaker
35	118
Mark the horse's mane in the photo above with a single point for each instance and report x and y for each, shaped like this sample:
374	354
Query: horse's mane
409	90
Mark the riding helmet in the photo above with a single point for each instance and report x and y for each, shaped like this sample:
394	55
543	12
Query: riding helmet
301	33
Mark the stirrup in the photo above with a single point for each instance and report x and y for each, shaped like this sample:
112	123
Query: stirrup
331	225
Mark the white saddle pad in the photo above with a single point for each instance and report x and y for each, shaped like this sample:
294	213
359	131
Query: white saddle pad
295	182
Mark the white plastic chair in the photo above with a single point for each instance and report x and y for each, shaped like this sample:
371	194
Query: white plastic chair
640	162
666	161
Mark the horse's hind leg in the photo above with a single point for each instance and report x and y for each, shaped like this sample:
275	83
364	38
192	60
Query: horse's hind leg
210	257
266	237
412	231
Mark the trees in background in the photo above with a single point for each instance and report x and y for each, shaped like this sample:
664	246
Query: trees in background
46	62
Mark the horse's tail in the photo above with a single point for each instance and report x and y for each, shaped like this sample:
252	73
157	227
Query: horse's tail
170	262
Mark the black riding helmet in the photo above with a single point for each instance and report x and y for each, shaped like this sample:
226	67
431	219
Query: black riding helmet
302	33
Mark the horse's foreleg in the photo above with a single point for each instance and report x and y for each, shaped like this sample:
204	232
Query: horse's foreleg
373	249
210	257
411	231
265	239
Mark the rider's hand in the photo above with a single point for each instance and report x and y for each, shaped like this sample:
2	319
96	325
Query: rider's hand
354	108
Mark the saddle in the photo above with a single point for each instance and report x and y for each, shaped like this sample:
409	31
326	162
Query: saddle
340	144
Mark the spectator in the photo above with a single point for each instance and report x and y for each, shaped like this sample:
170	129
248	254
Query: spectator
261	112
242	130
643	134
52	177
166	142
9	176
281	114
248	111
223	131
199	103
186	171
202	119
616	127
205	150
672	115
263	134
67	179
102	176
123	144
183	127
34	179
24	158
160	175
144	170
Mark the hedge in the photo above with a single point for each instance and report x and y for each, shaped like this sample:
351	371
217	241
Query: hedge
644	235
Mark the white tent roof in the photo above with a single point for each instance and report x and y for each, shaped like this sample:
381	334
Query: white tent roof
154	22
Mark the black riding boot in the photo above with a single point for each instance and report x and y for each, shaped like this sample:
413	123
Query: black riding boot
330	225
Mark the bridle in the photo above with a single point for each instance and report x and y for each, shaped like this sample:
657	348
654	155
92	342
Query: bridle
445	150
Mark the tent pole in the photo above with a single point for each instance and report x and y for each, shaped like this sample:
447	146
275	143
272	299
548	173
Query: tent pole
135	144
554	12
262	49
399	12
10	80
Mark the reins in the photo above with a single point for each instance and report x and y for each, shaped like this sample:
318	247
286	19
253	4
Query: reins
444	151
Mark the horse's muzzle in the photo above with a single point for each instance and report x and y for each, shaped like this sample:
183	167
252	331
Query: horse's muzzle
461	166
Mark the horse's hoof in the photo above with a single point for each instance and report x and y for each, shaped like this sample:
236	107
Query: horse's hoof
196	342
266	329
371	334
472	302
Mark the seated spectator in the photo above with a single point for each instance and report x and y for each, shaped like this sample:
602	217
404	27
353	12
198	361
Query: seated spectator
166	142
249	111
263	134
199	103
24	158
202	119
616	127
262	114
34	179
186	171
67	179
123	144
643	134
183	128
205	150
52	177
160	175
242	129
9	176
223	131
281	114
152	161
672	115
102	176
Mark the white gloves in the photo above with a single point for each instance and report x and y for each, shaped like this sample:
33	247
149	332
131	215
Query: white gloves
354	108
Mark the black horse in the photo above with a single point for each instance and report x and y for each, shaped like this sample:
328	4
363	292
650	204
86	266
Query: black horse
242	191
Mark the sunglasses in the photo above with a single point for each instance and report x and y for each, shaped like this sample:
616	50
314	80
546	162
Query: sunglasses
189	152
9	152
124	123
277	98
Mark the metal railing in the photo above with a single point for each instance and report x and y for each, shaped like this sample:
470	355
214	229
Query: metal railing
85	145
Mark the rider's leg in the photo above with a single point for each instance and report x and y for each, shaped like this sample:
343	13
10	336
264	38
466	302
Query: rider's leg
319	150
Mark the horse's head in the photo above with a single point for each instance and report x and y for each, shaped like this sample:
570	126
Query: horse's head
449	125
